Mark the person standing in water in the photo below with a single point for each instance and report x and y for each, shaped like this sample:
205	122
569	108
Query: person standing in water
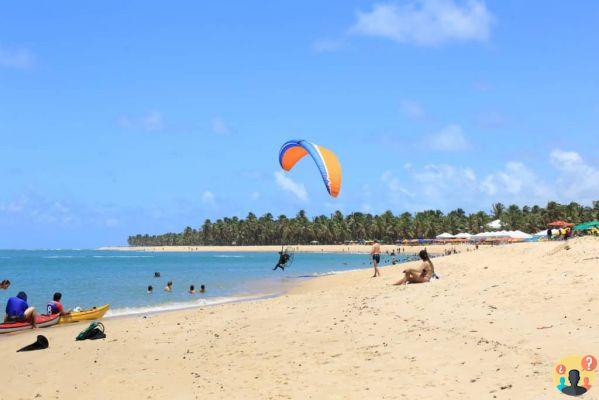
421	275
375	253
168	287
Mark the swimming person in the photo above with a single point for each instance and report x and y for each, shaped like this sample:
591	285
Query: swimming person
202	289
18	310
168	287
55	306
150	289
424	274
375	253
192	289
283	258
5	284
156	274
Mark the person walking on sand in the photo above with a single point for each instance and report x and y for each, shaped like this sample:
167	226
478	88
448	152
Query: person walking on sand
375	253
421	275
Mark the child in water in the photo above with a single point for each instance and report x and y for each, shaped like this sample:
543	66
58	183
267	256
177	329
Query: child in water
192	289
168	287
202	289
150	289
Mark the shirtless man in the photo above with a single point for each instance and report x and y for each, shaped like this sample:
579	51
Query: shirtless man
421	275
375	253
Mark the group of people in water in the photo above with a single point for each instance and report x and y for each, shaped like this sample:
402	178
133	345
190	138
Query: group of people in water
18	310
169	287
424	273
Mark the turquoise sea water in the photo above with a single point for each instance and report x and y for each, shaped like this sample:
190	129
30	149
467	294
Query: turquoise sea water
94	277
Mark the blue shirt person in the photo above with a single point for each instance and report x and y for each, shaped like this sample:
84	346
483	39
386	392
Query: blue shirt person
17	309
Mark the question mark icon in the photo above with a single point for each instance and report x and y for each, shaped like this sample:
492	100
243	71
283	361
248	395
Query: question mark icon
588	363
560	369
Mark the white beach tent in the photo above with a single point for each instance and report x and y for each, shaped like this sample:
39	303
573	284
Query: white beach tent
520	235
463	235
510	234
544	232
445	235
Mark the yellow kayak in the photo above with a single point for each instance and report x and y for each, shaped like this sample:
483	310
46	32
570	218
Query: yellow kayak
85	315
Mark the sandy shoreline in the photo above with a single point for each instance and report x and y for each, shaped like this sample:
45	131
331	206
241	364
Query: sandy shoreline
435	248
492	327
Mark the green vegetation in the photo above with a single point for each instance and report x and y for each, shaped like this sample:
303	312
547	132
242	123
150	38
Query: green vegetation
387	227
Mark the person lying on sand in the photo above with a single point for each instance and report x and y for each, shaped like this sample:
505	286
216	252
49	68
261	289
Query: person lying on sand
420	275
5	284
55	306
18	310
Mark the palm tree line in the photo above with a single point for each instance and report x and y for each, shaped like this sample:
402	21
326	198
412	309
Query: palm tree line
386	227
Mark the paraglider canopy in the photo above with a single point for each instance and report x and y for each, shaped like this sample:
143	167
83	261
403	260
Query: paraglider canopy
326	161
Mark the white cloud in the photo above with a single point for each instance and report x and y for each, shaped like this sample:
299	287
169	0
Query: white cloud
38	209
289	185
327	45
16	58
449	138
412	109
426	22
208	198
516	180
578	180
151	122
393	184
220	127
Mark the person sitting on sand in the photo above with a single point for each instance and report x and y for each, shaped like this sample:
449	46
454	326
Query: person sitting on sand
375	253
5	284
192	290
202	289
168	287
150	289
424	274
18	310
55	306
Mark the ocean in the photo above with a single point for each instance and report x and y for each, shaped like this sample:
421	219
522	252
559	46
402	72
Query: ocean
89	278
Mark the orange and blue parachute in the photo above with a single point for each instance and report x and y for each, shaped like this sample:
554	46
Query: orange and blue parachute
326	161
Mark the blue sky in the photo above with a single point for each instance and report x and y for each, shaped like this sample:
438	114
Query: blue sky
119	118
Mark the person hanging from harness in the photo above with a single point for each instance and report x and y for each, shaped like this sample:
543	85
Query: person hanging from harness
283	259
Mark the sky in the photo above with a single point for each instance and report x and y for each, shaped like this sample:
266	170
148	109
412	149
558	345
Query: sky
145	117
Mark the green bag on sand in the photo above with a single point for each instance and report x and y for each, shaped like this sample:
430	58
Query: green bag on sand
94	331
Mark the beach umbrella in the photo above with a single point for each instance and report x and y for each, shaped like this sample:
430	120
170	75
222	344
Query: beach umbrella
560	224
445	235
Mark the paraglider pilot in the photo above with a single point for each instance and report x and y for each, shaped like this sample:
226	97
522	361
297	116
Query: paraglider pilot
283	258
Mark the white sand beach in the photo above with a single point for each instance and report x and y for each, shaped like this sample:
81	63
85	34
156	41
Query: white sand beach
491	328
